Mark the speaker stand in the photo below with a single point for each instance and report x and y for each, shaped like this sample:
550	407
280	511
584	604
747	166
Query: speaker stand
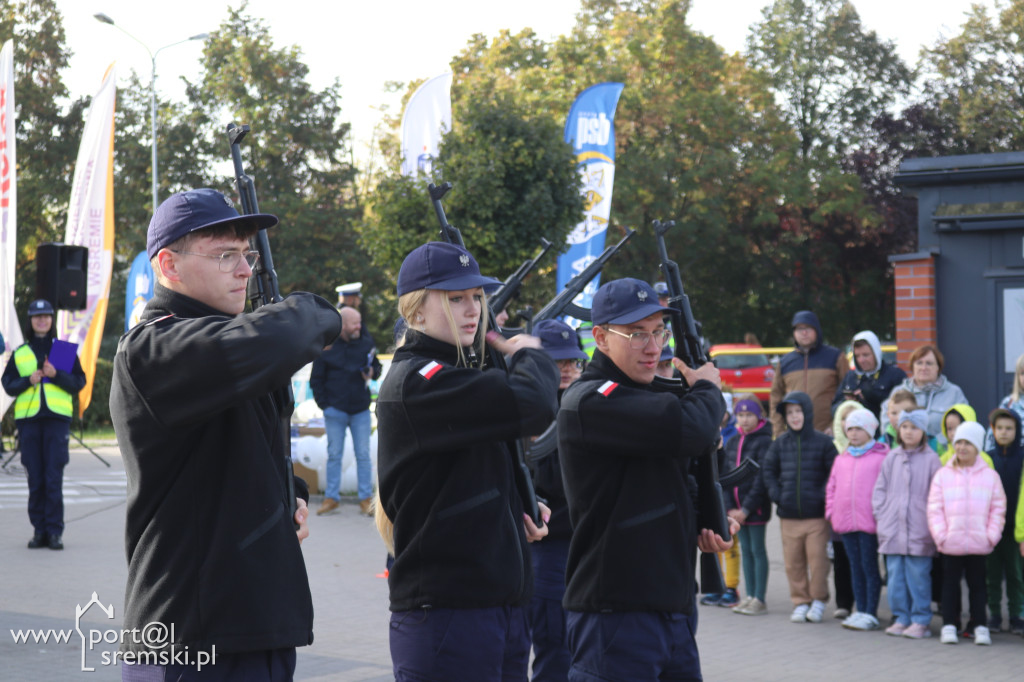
81	429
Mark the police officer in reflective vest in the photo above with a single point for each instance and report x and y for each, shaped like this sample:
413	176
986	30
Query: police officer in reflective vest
42	412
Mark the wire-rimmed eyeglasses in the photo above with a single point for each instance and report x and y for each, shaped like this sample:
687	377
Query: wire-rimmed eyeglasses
639	340
228	261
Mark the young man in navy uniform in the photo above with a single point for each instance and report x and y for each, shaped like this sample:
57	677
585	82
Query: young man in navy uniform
213	551
625	450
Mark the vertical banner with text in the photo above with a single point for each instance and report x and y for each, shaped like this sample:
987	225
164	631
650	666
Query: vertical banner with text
591	132
91	224
9	327
427	115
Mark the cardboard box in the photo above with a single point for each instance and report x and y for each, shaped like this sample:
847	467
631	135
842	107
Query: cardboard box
308	475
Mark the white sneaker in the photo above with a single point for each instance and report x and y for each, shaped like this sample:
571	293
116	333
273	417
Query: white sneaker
799	614
744	603
865	621
948	635
816	612
982	636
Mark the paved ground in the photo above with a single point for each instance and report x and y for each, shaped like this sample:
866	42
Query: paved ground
40	590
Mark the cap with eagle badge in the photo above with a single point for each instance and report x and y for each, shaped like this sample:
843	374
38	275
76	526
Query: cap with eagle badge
624	301
197	209
439	265
558	340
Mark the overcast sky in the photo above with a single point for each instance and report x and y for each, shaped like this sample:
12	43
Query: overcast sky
364	44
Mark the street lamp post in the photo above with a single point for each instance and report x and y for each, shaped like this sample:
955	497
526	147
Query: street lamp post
152	86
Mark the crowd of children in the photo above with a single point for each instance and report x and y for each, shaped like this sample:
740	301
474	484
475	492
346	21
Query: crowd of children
934	515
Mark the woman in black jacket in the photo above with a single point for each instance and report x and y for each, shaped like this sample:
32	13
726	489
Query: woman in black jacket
461	576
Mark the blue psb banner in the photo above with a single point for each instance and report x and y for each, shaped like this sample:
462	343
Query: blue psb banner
590	129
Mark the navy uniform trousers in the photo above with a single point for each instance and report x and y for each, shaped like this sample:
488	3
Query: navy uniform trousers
483	645
44	454
547	617
640	646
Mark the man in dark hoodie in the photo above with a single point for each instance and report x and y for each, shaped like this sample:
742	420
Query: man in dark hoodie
1005	559
795	472
624	450
812	367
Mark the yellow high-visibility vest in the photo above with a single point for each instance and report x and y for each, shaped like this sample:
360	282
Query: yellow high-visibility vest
28	402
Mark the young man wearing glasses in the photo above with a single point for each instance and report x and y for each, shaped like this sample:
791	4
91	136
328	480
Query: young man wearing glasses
213	551
624	449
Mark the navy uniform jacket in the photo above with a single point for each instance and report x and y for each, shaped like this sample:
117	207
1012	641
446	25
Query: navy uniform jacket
210	543
625	450
446	477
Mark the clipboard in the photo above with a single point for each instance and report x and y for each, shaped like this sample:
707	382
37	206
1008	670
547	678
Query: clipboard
62	356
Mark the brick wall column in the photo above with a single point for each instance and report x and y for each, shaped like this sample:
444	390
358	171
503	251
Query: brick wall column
915	305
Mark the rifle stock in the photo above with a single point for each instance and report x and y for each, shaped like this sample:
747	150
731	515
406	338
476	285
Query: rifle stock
263	289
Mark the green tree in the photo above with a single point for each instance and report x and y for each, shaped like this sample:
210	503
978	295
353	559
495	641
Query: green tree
297	152
972	80
834	77
515	180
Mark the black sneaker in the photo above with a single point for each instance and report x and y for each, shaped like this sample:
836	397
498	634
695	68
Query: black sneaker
38	540
995	624
55	542
1017	626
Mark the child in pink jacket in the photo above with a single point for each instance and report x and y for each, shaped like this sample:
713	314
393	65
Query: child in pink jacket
848	508
966	513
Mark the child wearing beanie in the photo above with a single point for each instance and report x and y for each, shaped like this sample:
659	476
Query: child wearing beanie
748	503
851	484
900	505
966	513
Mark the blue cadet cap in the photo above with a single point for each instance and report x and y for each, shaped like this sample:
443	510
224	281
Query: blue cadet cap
624	301
193	210
440	265
558	340
401	326
661	288
40	307
667	353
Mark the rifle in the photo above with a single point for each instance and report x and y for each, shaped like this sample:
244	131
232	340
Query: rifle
710	501
562	303
263	289
523	479
500	298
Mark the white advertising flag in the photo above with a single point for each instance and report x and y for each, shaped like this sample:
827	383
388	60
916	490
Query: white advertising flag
427	116
9	326
91	224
